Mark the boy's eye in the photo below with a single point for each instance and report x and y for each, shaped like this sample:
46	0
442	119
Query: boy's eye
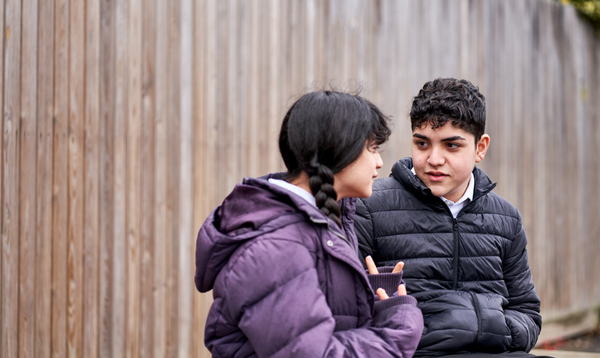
421	144
453	145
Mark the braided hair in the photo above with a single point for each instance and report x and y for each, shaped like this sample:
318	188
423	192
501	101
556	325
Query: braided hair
322	133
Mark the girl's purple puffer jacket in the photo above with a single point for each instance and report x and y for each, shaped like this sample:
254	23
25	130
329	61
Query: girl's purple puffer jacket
287	282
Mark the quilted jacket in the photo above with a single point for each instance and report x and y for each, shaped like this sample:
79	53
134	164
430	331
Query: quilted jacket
287	282
470	274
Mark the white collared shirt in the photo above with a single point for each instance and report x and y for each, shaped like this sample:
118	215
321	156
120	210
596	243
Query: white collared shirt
456	207
296	190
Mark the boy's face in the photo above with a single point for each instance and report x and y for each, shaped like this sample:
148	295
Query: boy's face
444	158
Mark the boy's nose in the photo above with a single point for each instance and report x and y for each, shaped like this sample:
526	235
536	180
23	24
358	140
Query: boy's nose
436	158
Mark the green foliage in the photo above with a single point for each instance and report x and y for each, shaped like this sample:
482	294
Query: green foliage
589	9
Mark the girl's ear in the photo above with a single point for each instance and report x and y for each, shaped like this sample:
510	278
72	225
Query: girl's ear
482	147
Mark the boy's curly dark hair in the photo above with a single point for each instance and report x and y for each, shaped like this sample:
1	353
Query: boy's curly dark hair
449	99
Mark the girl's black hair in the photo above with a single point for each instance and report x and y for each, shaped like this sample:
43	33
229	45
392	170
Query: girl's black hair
322	133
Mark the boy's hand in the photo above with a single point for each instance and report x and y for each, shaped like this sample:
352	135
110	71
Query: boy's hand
373	269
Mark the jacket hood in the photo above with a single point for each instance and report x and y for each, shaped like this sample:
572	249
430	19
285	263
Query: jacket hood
254	207
401	171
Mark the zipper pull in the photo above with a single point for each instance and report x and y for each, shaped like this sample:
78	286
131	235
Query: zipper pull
455	224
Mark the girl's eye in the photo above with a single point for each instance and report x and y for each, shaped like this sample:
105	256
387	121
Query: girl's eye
374	149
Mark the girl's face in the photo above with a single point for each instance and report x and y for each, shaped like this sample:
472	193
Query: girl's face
356	180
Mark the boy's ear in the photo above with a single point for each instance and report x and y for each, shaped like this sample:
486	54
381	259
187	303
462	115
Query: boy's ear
482	147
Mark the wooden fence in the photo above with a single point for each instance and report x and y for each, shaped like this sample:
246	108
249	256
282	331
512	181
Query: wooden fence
126	121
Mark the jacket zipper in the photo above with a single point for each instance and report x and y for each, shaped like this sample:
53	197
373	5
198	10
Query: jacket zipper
456	248
455	234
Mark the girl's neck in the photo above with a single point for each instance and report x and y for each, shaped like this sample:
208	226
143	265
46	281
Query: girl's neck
302	181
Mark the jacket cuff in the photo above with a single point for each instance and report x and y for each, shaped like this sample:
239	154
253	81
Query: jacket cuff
387	280
394	301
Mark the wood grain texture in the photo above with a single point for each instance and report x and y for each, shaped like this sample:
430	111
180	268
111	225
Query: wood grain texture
133	185
76	169
91	215
60	199
147	236
44	175
119	213
106	177
126	122
9	329
27	178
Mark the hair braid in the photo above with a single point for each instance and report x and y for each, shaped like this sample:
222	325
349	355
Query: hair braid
321	186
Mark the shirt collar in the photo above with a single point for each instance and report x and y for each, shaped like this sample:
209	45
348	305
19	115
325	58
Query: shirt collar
296	190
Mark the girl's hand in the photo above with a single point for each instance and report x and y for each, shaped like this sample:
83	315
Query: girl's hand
384	296
373	269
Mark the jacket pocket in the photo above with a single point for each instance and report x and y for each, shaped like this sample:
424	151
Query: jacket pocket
450	319
493	333
463	321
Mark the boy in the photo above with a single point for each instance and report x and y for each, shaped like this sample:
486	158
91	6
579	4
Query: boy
463	246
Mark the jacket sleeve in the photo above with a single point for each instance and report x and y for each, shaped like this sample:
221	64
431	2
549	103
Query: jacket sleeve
363	227
523	311
273	291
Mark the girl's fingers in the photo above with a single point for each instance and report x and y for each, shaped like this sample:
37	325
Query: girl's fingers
382	294
401	290
399	266
371	265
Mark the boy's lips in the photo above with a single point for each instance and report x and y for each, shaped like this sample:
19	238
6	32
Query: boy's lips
435	176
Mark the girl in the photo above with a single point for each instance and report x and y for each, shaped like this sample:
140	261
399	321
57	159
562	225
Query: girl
282	259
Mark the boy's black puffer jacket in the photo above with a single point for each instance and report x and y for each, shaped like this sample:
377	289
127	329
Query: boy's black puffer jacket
470	275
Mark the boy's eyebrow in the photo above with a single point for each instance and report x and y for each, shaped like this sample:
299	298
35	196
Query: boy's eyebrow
449	139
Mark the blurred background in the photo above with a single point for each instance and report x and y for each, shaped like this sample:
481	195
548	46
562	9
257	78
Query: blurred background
125	122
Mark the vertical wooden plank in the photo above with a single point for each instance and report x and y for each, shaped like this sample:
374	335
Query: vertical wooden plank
106	176
203	34
229	134
10	179
133	185
120	274
206	194
253	88
266	61
198	154
173	168
60	177
241	115
161	208
76	190
274	51
186	238
91	245
43	254
27	187
148	172
5	36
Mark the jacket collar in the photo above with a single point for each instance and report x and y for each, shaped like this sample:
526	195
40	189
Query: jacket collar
401	171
